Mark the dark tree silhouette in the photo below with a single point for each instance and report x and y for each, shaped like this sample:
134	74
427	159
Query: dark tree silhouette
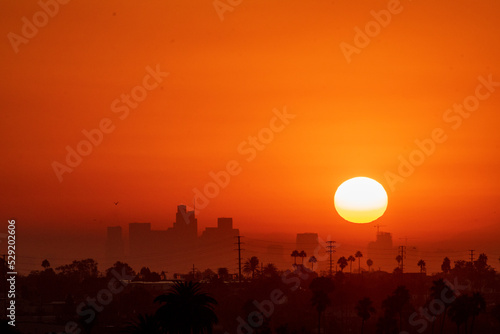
342	262
295	255
80	270
321	287
369	263
186	310
477	305
312	261
399	258
459	312
45	264
440	289
146	275
223	273
446	266
208	274
270	270
302	255
359	255
121	268
364	310
145	324
351	259
421	264
251	266
395	303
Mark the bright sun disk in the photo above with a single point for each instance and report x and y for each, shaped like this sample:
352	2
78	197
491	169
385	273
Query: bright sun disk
360	200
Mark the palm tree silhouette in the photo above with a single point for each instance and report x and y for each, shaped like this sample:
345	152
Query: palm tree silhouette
321	287
320	301
270	270
395	303
364	309
351	259
369	263
312	261
421	264
302	255
186	310
359	255
399	258
342	262
251	266
439	289
459	312
295	255
477	305
145	324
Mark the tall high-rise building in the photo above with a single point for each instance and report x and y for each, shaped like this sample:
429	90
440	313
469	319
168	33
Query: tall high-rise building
186	224
114	243
217	244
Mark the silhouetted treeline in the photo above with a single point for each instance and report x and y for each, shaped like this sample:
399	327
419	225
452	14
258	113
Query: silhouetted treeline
463	298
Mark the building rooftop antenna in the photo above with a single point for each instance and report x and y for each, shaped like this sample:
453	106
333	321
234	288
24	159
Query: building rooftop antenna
378	227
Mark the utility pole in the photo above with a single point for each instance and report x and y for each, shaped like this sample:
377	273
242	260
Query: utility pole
193	272
402	253
239	257
331	249
471	256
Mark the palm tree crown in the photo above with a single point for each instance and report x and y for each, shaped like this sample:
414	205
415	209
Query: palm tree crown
312	261
145	324
364	309
295	255
302	255
186	310
421	264
369	263
359	255
251	266
351	259
342	262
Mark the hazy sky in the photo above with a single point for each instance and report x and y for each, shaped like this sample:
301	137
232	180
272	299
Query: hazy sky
355	113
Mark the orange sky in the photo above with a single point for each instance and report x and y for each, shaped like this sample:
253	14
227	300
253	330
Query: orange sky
225	78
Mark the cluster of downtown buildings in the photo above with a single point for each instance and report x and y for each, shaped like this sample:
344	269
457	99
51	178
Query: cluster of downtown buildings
179	249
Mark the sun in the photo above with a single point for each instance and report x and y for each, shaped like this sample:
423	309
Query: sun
360	200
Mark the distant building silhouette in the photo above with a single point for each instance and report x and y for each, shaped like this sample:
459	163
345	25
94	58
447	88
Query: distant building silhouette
307	242
114	243
139	238
218	244
185	225
275	254
382	252
178	247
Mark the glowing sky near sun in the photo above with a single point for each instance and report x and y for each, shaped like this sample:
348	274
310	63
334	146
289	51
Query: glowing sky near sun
224	80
